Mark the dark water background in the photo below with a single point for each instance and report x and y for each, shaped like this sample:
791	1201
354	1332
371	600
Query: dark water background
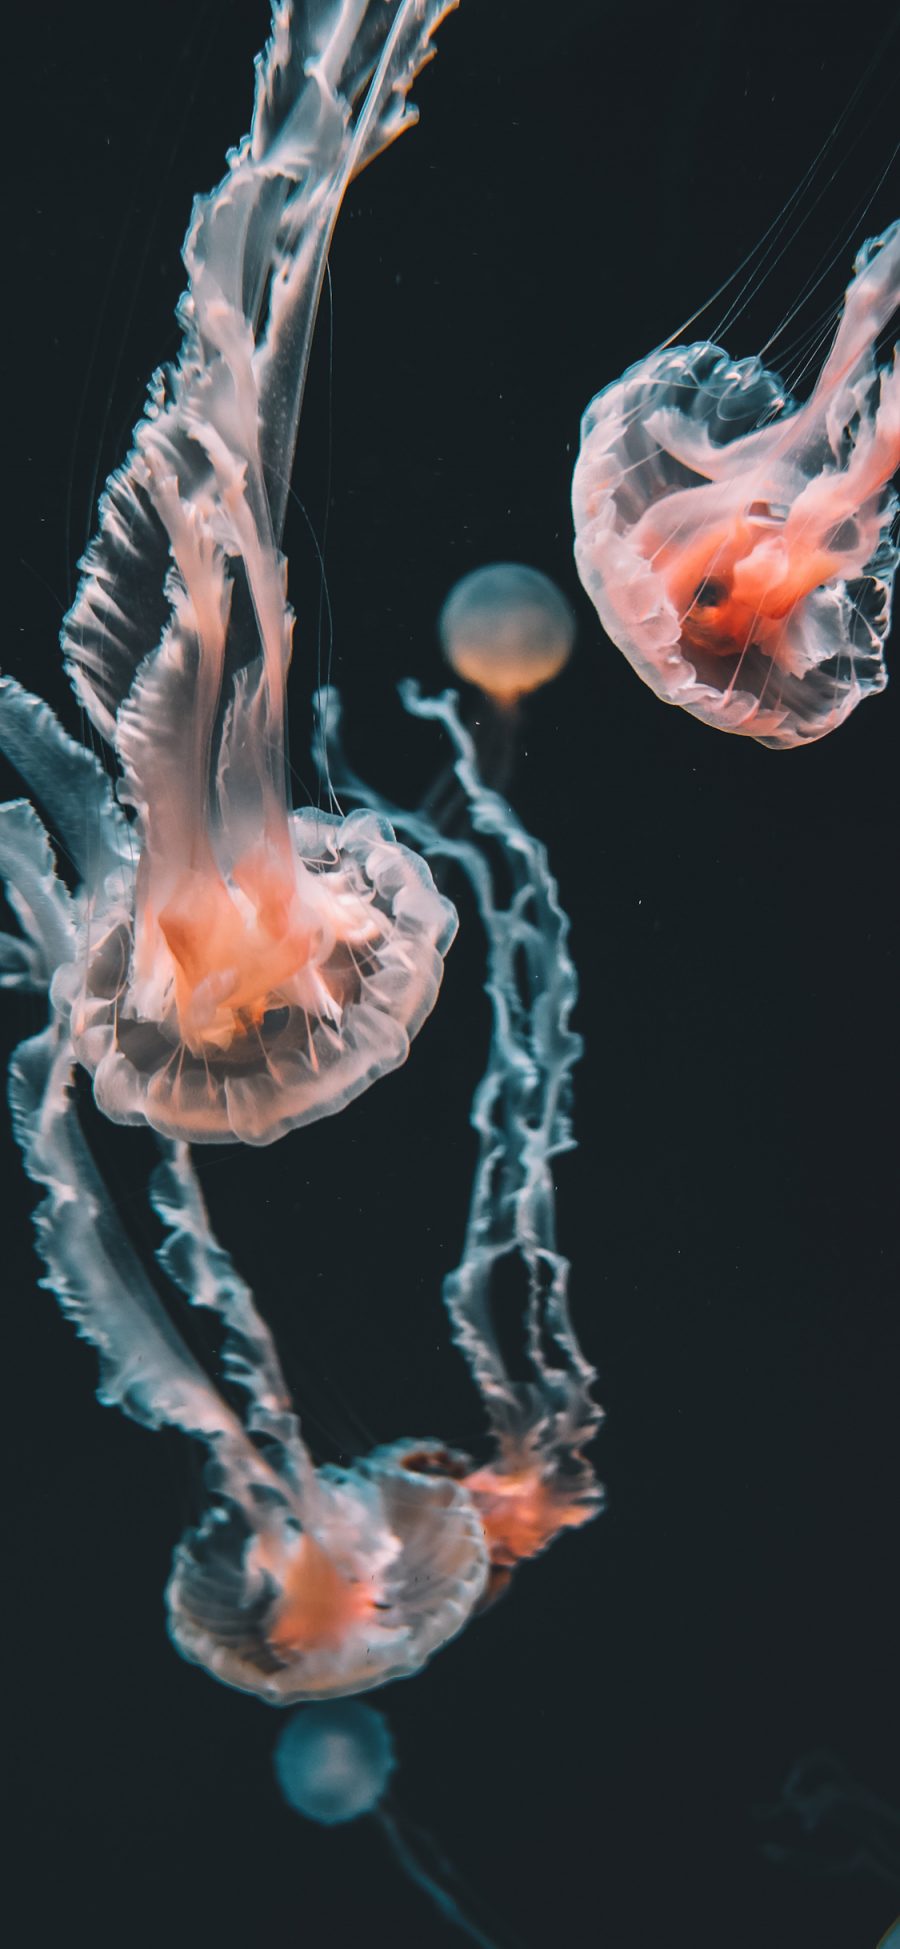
590	1753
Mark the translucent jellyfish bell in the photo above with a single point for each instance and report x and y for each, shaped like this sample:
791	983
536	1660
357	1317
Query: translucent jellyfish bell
507	629
246	968
333	1763
740	549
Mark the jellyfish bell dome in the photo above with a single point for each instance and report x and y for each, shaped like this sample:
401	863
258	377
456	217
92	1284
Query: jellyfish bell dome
333	1762
507	629
243	1010
740	548
385	1569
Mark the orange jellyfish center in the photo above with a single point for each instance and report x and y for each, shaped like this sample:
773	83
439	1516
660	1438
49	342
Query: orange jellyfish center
232	953
522	1511
318	1606
743	578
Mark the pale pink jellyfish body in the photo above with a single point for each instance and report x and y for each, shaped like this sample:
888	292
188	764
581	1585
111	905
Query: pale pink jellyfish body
246	968
740	549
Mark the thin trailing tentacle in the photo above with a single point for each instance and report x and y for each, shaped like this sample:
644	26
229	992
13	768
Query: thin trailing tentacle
39	900
194	1260
521	1110
67	779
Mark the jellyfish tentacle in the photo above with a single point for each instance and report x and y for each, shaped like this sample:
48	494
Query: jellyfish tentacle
194	1260
441	1887
69	781
255	255
521	1113
381	49
39	900
146	1367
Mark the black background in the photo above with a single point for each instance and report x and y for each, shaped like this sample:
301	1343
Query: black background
589	1754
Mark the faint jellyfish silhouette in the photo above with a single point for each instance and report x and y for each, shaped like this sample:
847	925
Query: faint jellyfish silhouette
741	548
333	1764
539	1481
297	1582
245	968
829	1823
508	629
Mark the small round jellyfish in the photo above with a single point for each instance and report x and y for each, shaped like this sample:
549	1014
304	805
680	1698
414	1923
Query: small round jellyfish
507	629
333	1763
739	548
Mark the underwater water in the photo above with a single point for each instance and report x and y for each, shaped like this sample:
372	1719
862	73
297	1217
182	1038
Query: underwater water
603	1753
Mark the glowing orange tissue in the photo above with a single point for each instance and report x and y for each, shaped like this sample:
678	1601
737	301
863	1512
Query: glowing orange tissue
739	548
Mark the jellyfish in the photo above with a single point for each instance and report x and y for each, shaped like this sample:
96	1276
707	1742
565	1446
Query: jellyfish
538	1481
243	968
334	1764
297	1582
740	548
507	630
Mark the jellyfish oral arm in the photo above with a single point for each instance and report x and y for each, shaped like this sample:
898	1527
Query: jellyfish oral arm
296	1583
540	1482
146	1368
358	38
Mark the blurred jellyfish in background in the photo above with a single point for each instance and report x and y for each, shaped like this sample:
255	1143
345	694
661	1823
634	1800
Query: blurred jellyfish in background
334	1764
740	548
240	968
824	1821
538	1481
507	630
